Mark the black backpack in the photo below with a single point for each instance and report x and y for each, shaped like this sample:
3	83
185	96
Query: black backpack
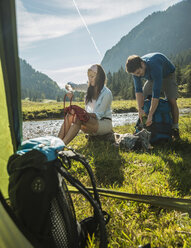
41	200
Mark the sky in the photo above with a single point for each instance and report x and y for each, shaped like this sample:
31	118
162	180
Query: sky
63	38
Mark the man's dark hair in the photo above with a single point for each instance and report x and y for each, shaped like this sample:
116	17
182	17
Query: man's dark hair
133	63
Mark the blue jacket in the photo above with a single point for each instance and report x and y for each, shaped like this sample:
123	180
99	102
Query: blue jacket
158	66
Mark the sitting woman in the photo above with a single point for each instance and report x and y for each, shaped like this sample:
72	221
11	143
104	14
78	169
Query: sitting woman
97	104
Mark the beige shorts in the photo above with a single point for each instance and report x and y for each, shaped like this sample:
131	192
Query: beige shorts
169	87
104	127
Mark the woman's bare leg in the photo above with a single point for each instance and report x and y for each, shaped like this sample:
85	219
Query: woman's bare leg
66	125
61	133
72	132
91	126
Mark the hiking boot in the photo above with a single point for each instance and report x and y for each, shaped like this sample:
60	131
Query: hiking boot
175	133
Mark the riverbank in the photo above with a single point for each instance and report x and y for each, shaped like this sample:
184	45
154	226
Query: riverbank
37	128
59	114
42	127
54	110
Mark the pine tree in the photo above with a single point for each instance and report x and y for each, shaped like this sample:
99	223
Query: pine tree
178	75
189	84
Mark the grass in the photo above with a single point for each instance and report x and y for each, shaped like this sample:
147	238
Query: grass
52	109
166	171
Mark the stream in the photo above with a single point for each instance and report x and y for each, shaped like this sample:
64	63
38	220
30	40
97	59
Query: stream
33	129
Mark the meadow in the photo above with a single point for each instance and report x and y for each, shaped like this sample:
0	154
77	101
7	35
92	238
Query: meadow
53	109
164	171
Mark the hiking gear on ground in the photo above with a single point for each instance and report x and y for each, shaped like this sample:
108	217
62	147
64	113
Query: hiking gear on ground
161	127
140	140
40	198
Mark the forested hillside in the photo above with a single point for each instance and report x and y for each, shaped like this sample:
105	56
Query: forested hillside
36	85
167	32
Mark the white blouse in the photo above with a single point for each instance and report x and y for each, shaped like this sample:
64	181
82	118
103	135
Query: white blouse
91	106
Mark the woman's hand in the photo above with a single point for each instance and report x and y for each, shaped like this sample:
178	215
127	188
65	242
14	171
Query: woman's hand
69	87
70	95
92	115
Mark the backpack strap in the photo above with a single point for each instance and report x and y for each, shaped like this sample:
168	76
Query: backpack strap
99	215
67	156
90	224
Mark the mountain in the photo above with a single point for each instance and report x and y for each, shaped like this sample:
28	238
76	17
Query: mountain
36	85
168	32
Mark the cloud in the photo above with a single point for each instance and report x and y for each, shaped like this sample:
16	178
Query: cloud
62	76
56	18
34	27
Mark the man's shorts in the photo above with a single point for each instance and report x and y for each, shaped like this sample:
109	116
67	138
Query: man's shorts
169	87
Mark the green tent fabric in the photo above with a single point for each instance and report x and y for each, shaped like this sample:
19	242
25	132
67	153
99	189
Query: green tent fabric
10	100
6	146
11	235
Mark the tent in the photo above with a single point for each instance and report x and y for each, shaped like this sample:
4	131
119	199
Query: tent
11	235
10	103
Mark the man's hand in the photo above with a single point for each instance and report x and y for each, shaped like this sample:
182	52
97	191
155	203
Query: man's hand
154	104
141	114
149	120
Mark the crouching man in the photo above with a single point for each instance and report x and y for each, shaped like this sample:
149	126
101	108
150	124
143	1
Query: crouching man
159	72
